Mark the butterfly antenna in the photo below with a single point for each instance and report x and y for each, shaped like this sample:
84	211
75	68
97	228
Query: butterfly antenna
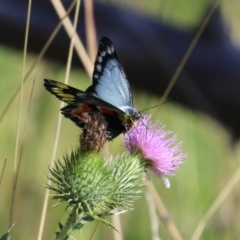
170	100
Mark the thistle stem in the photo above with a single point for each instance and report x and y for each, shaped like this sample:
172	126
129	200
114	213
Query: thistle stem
74	221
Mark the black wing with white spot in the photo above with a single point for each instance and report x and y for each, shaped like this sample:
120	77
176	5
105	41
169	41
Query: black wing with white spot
82	105
109	94
109	80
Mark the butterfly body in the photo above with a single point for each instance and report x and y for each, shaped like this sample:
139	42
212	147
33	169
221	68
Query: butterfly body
109	94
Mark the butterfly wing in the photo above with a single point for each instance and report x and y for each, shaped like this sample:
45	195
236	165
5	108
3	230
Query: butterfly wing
82	104
109	94
109	80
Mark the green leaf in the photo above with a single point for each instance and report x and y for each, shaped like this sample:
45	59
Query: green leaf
4	236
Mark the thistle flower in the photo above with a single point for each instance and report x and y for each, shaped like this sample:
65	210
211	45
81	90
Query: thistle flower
161	153
92	186
94	134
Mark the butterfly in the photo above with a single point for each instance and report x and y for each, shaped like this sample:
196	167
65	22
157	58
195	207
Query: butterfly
109	94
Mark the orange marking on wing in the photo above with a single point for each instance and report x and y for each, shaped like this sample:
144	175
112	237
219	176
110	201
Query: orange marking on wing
106	110
80	112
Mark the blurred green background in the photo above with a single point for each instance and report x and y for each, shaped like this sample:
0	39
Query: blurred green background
210	163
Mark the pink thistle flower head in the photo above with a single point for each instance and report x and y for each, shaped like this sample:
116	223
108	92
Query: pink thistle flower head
161	153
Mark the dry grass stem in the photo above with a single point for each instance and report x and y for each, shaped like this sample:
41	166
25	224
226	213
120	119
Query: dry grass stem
16	164
21	152
117	225
94	231
216	204
39	57
88	65
154	223
3	168
90	29
45	203
188	52
172	229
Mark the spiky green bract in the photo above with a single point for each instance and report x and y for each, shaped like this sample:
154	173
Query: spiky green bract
93	187
4	236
